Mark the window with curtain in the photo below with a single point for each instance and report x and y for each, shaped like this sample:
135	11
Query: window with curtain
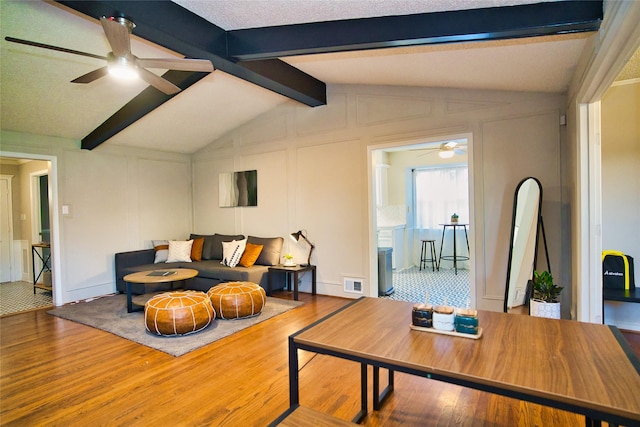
440	192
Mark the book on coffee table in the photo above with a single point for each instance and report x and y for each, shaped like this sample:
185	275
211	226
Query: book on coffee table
161	273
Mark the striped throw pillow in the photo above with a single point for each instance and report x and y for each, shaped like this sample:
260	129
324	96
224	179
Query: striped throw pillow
232	252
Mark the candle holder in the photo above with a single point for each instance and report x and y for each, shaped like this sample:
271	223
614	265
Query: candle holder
443	318
466	321
422	315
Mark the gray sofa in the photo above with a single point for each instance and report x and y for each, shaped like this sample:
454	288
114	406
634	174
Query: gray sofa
210	270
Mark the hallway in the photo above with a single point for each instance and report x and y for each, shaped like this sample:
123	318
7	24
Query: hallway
16	297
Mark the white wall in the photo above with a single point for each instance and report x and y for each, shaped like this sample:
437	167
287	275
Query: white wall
119	200
621	188
313	173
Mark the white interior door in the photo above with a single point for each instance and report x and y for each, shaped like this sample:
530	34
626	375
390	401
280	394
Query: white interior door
6	229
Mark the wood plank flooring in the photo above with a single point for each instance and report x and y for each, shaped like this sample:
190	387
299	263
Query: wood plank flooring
59	373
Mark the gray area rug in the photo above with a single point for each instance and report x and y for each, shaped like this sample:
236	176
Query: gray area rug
110	314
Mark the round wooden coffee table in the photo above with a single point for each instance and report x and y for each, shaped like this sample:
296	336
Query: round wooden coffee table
152	277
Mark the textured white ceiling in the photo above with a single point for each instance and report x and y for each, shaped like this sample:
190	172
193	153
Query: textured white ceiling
38	98
543	64
238	14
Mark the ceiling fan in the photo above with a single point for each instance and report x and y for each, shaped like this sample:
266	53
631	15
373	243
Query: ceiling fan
446	150
122	62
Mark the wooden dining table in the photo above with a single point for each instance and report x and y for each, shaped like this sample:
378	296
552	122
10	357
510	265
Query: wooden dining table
584	368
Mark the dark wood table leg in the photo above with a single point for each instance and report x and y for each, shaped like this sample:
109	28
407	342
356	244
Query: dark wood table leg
294	390
590	422
33	268
313	280
130	298
129	303
379	398
295	285
363	395
269	282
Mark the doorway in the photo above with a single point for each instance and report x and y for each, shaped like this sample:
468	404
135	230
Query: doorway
396	224
41	230
32	224
41	206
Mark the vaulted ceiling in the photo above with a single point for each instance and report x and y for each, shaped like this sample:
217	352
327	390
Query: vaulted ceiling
267	53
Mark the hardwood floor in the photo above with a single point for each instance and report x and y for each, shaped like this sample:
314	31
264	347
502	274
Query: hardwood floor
59	373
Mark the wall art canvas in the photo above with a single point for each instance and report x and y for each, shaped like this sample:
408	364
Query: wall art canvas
238	189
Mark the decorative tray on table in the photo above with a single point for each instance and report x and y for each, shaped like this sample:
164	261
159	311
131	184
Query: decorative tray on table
452	333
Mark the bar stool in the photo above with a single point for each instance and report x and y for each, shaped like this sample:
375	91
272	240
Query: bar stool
433	259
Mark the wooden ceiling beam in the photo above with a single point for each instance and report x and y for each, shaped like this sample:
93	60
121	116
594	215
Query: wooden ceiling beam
169	25
252	54
494	23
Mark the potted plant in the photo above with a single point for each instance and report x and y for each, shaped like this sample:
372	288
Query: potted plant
288	260
545	296
454	218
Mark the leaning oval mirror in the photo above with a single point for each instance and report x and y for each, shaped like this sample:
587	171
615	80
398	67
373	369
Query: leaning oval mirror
524	241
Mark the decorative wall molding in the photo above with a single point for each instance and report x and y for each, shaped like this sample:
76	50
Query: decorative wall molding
379	109
271	128
455	106
328	118
527	144
321	184
423	135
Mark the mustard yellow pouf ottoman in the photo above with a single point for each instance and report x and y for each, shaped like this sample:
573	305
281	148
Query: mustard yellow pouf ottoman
178	313
235	300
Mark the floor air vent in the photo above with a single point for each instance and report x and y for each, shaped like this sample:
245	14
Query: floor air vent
353	285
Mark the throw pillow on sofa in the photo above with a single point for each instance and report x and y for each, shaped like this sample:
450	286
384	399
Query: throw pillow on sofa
206	246
232	252
162	250
216	244
179	251
196	249
272	247
250	255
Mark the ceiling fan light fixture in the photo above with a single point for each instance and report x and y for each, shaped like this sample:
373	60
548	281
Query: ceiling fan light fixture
445	154
129	25
123	69
122	64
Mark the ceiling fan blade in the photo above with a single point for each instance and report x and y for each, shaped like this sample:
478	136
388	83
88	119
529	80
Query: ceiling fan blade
59	49
460	149
202	65
93	75
158	82
118	35
428	151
